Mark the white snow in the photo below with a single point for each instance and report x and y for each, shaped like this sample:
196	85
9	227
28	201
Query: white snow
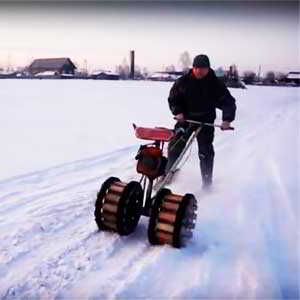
61	139
46	73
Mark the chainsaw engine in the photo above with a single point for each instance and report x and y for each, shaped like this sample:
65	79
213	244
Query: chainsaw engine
151	161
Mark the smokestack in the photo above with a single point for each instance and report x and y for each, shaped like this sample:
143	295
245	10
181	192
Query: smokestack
132	64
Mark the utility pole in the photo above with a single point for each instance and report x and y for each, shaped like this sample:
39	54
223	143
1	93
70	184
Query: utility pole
132	64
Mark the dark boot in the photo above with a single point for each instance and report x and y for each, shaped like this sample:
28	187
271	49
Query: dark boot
206	167
206	155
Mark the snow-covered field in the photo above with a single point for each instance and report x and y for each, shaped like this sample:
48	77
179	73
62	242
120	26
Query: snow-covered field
61	139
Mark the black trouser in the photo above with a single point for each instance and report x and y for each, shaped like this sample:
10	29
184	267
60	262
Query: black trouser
205	149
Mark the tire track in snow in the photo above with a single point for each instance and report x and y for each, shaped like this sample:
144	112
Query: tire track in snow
47	178
121	256
60	181
59	267
108	278
46	229
67	168
42	247
49	256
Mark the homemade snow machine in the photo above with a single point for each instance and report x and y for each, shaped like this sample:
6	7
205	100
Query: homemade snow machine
119	205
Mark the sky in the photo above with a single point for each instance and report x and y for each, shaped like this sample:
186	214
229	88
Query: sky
101	34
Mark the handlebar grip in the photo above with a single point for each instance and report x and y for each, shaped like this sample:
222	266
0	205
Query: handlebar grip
229	128
178	119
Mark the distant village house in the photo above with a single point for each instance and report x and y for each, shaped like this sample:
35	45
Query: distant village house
293	78
165	76
105	75
58	66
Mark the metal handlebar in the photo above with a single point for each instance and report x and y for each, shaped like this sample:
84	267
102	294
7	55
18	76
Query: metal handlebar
204	124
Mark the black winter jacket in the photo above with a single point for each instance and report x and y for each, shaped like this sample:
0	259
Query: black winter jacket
198	99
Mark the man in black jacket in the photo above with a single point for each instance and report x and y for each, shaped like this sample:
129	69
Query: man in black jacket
195	96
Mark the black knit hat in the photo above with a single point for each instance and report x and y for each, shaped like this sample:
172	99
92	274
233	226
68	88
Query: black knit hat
201	61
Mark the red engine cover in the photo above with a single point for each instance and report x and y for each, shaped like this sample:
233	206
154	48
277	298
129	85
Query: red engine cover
154	134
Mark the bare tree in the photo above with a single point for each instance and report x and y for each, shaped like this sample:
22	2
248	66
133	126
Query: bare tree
249	77
123	70
233	73
137	72
281	77
270	78
170	68
185	61
145	72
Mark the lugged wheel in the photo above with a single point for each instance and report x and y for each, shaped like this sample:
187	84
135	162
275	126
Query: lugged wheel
100	200
172	219
119	206
130	208
153	239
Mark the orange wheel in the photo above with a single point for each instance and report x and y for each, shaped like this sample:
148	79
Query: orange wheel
172	219
119	206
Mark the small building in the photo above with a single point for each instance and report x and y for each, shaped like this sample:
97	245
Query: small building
59	66
4	75
293	78
165	76
175	73
105	75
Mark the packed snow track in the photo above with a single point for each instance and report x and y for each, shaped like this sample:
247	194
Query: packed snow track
66	141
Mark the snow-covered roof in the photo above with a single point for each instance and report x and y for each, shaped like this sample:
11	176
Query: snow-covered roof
51	63
97	72
294	75
46	73
67	75
161	75
7	72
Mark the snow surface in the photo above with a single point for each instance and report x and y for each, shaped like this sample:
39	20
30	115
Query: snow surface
61	139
